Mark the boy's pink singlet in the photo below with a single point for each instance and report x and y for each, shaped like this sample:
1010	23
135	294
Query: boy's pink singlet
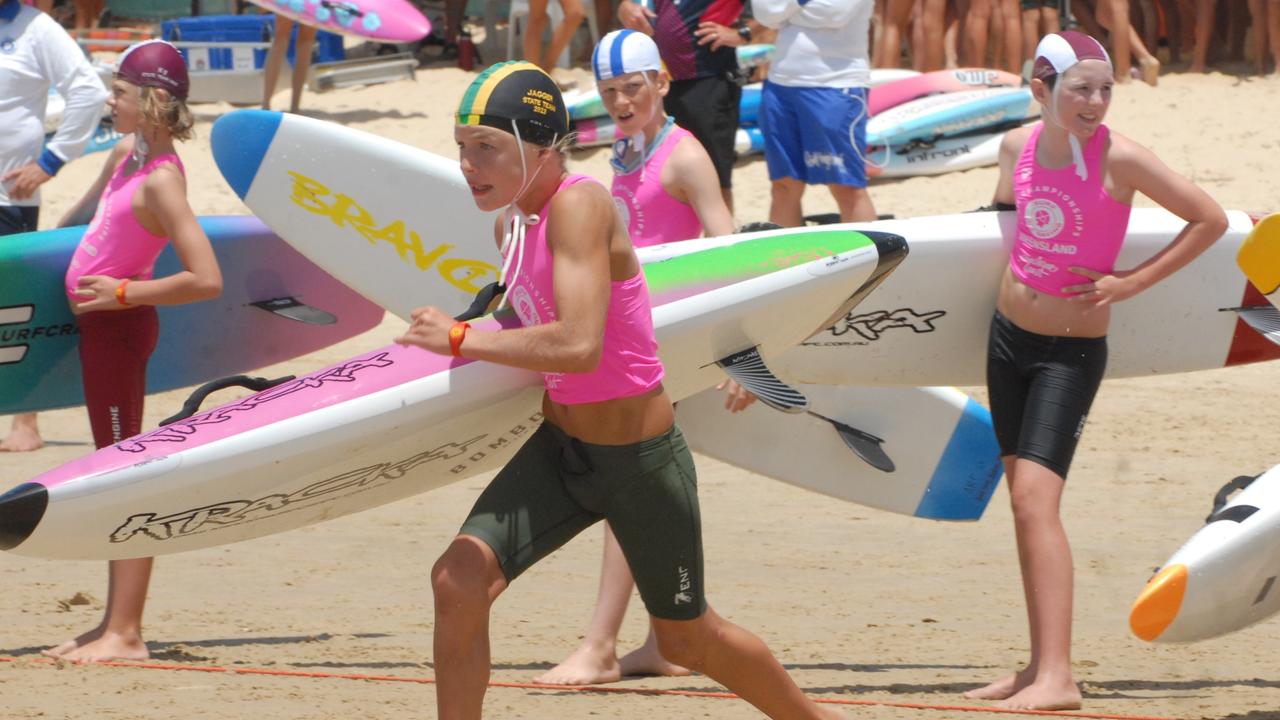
629	364
1064	221
652	216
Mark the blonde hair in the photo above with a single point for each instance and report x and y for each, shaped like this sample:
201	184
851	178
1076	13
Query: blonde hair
162	109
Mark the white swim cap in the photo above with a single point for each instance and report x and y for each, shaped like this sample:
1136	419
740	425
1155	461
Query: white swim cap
624	51
1058	52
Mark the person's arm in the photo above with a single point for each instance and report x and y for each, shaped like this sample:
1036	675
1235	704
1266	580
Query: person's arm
635	16
583	218
165	195
697	185
1133	165
65	64
82	212
1010	148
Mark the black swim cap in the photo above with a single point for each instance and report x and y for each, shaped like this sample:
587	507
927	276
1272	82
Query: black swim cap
520	91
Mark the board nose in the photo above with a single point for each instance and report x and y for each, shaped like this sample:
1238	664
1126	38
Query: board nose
1158	605
21	510
240	140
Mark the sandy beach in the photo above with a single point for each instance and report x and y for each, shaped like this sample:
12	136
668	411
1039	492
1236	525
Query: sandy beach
859	604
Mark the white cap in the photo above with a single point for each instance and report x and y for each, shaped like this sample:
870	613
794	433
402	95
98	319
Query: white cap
622	52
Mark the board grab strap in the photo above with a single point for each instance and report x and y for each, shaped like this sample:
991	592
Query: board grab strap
1263	318
747	368
295	309
192	405
1236	513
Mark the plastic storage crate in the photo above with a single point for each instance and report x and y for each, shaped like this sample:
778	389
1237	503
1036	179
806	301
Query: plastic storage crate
239	29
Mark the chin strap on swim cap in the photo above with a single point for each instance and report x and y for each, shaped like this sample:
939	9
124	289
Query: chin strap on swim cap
516	221
1077	153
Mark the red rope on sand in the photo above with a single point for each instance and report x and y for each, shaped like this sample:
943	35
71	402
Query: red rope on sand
599	689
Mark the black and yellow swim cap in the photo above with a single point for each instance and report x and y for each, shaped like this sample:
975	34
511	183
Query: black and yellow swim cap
520	91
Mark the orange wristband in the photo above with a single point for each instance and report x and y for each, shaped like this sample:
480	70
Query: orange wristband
457	334
120	292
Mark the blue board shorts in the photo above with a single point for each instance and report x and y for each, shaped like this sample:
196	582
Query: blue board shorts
815	135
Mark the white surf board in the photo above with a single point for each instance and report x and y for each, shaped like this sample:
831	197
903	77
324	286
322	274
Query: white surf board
1224	578
396	421
945	462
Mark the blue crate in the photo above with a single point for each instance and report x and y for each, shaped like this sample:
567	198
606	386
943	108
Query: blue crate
241	28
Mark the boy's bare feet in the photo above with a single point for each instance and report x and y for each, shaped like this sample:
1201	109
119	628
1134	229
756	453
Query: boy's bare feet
1045	694
647	660
1005	687
588	665
98	645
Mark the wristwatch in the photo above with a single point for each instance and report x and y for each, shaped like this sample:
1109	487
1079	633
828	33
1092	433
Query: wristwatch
744	32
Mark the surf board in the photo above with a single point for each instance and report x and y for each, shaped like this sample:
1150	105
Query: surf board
895	93
1224	578
398	420
951	113
943	460
928	323
935	158
39	360
393	21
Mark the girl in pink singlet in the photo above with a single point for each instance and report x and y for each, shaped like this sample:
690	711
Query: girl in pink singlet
141	206
666	189
1071	181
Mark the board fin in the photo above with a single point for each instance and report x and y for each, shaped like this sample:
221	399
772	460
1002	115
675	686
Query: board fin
747	368
295	309
866	446
1263	318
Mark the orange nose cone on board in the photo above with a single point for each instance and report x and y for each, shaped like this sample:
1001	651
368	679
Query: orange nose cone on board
1158	605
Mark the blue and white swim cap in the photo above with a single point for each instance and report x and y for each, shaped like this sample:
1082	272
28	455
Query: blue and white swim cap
624	51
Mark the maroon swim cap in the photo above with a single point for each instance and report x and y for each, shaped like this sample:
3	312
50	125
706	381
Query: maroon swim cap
155	63
1059	51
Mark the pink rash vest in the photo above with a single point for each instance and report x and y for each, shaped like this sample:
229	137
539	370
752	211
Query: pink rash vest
1064	221
629	363
116	244
652	216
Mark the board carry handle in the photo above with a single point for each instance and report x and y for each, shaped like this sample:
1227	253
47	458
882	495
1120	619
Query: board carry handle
343	6
1224	494
480	305
192	405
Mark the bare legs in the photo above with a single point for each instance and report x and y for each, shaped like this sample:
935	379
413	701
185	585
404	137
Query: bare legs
1273	25
560	37
976	30
596	661
933	16
467	579
896	15
1204	31
119	636
275	58
785	206
24	435
1044	556
301	64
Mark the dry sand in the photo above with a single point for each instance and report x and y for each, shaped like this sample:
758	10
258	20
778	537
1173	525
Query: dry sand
858	604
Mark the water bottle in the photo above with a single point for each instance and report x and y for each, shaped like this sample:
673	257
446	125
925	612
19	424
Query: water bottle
466	51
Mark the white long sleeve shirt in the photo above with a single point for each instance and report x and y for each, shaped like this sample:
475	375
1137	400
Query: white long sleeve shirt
821	43
35	53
